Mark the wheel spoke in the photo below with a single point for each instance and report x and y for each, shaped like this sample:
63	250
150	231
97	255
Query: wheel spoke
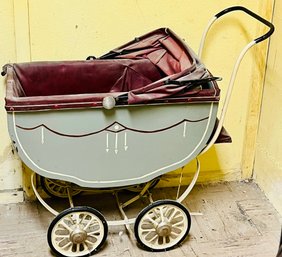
152	221
67	245
60	231
153	238
77	248
62	236
163	240
86	247
60	241
83	218
62	190
162	214
66	226
147	233
92	233
51	186
178	223
174	233
172	214
148	229
178	215
155	212
167	211
78	221
89	223
89	242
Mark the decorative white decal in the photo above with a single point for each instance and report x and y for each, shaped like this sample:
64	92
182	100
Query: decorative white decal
42	135
116	144
107	143
125	141
184	129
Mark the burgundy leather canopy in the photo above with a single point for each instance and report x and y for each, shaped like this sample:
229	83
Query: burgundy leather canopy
144	71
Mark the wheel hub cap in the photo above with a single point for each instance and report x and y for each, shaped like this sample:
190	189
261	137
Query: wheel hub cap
164	229
78	236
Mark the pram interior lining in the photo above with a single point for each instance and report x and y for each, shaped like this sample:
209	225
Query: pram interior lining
139	68
85	77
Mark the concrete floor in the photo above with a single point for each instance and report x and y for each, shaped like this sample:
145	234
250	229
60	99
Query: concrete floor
237	220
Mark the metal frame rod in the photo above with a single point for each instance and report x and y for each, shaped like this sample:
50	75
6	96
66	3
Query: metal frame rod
137	197
228	96
120	206
48	207
69	190
191	185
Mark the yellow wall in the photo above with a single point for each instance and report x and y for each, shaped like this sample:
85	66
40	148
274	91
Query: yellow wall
268	162
10	165
74	29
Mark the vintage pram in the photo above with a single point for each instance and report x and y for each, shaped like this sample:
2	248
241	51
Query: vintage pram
119	121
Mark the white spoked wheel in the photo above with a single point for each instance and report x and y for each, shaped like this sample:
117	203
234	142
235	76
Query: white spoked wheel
162	225
57	188
77	232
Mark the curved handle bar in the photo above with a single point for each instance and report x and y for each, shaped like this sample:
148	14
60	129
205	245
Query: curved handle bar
254	15
237	64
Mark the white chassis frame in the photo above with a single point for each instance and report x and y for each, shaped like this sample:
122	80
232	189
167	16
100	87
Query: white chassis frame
125	220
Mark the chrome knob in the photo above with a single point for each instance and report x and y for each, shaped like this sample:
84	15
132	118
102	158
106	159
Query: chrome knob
109	102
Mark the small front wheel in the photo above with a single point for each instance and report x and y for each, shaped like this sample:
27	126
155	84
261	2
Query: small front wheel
162	225
77	232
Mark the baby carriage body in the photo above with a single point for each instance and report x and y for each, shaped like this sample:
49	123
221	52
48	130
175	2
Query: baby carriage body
70	136
109	148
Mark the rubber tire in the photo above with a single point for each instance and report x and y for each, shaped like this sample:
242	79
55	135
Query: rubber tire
148	208
77	209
